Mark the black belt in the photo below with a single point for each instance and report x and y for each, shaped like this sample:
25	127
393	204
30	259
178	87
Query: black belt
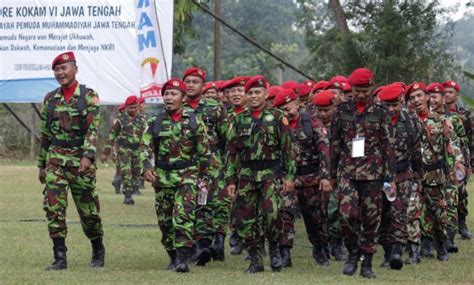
67	143
125	143
307	169
261	164
435	166
403	166
174	166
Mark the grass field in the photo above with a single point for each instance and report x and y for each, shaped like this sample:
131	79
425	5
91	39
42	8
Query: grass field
135	255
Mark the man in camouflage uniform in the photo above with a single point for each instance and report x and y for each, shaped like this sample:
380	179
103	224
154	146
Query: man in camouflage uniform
437	105
142	115
362	158
438	142
126	133
311	142
117	181
451	89
178	141
212	218
408	132
69	124
259	150
323	109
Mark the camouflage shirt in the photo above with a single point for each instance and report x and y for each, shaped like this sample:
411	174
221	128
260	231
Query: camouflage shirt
263	141
126	132
175	144
63	128
374	125
466	118
461	134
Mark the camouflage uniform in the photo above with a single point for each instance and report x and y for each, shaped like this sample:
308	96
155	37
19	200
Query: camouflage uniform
361	179
126	133
214	216
68	134
312	160
182	155
257	150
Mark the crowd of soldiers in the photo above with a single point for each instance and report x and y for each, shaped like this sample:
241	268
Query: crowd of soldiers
362	165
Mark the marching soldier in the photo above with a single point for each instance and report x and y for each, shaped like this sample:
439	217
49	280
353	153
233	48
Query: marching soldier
66	161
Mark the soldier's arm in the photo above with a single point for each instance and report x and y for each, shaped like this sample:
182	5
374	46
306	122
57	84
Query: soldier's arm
463	141
233	160
452	143
146	147
321	139
288	151
222	126
45	134
203	150
416	160
335	144
388	140
114	131
92	119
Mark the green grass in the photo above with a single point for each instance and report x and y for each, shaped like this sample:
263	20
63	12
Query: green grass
135	255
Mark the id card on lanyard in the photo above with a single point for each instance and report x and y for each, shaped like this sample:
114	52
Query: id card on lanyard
358	147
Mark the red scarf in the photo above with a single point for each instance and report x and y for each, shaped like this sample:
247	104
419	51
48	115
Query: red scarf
423	116
239	110
294	122
256	113
360	107
394	120
193	102
176	116
69	91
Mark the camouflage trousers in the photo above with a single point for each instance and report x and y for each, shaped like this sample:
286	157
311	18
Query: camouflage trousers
360	209
287	214
82	185
462	202
334	224
313	205
452	206
256	211
393	226
129	161
434	215
118	176
175	212
413	217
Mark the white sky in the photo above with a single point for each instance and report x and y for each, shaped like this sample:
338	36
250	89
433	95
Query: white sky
461	10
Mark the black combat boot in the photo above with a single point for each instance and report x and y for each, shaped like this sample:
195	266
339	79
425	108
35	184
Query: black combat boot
203	253
263	252
98	253
366	268
450	245
60	259
172	255
396	256
350	266
387	252
414	254
116	184
463	230
426	247
182	255
218	247
128	200
337	250
319	255
285	256
441	252
256	261
275	257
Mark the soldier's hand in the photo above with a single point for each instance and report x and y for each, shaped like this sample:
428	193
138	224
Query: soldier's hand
103	158
42	175
393	188
325	185
231	190
149	176
288	186
85	164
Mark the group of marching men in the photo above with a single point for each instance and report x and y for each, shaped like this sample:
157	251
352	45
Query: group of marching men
361	164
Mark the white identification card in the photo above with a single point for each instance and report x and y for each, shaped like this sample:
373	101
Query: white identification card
358	147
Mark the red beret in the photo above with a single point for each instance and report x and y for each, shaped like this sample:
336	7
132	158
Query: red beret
415	86
435	87
361	77
391	92
339	78
320	85
334	84
285	96
121	107
452	84
237	81
292	85
63	58
256	81
310	83
131	100
196	71
209	85
273	91
346	87
323	98
304	89
174	83
219	84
